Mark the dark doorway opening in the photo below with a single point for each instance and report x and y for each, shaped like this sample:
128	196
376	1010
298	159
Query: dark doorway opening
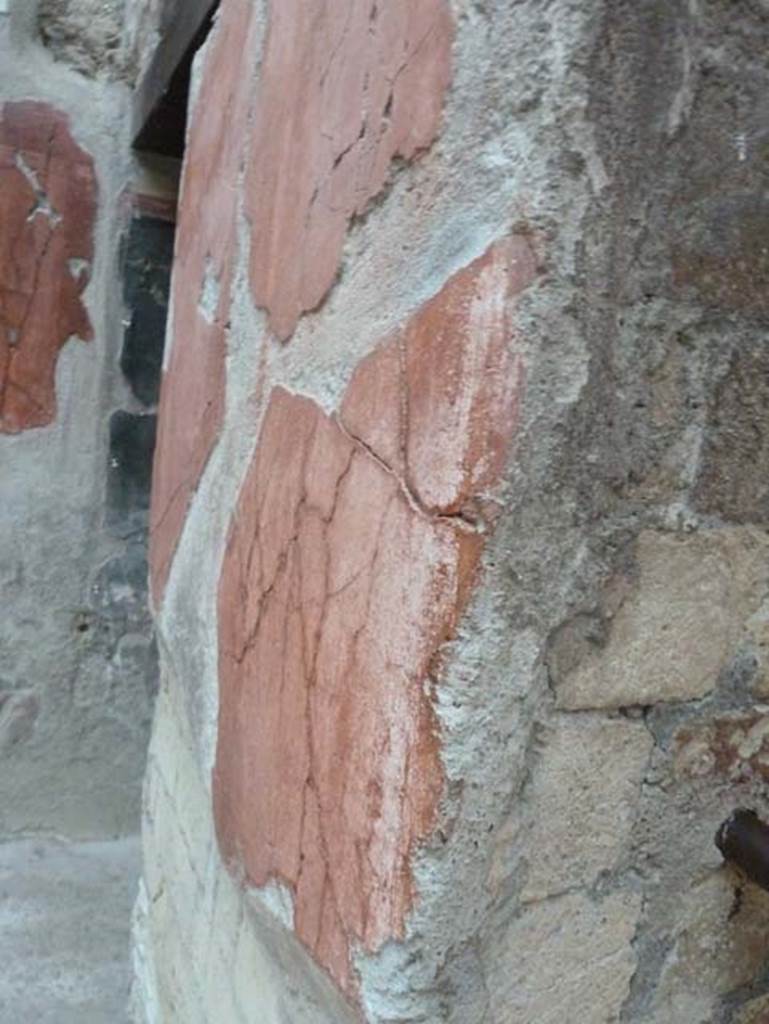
162	96
160	109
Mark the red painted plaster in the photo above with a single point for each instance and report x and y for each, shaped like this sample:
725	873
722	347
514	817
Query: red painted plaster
48	197
345	573
422	402
345	87
192	395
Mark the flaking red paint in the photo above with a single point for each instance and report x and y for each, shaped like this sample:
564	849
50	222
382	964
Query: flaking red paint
351	557
47	211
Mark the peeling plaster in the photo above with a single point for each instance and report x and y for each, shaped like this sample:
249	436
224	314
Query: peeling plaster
48	202
328	773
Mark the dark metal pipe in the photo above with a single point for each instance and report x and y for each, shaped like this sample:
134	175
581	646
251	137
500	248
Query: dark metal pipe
743	839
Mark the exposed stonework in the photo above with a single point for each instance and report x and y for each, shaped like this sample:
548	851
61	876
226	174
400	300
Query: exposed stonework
344	89
192	396
328	773
732	481
570	958
593	799
718	249
48	209
734	747
666	630
86	34
755	1012
711	951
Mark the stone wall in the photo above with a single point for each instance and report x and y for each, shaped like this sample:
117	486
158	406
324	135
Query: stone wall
87	35
77	657
459	550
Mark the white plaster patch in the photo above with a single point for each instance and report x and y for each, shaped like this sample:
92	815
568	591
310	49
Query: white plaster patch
78	268
278	901
42	205
208	303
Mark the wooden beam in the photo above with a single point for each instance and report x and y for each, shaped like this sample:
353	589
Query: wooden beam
166	80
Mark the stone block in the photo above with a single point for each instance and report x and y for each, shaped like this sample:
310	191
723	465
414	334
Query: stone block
719	251
733	478
754	1012
673	627
714	951
565	959
582	802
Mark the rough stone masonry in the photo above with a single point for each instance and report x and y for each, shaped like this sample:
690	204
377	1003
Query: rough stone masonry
459	551
459	530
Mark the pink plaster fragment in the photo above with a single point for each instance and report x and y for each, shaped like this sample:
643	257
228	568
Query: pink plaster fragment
346	87
345	574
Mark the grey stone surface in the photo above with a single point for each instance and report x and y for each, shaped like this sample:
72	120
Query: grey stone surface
77	667
64	930
668	628
593	799
566	959
144	24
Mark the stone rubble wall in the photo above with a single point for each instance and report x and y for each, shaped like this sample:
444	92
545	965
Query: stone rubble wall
459	525
87	35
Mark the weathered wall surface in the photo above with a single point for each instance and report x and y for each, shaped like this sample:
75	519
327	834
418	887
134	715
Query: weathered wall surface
459	529
49	214
87	35
77	661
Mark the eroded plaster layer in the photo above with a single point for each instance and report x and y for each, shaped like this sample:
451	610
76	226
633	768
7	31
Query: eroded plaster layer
192	396
345	88
47	210
350	560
